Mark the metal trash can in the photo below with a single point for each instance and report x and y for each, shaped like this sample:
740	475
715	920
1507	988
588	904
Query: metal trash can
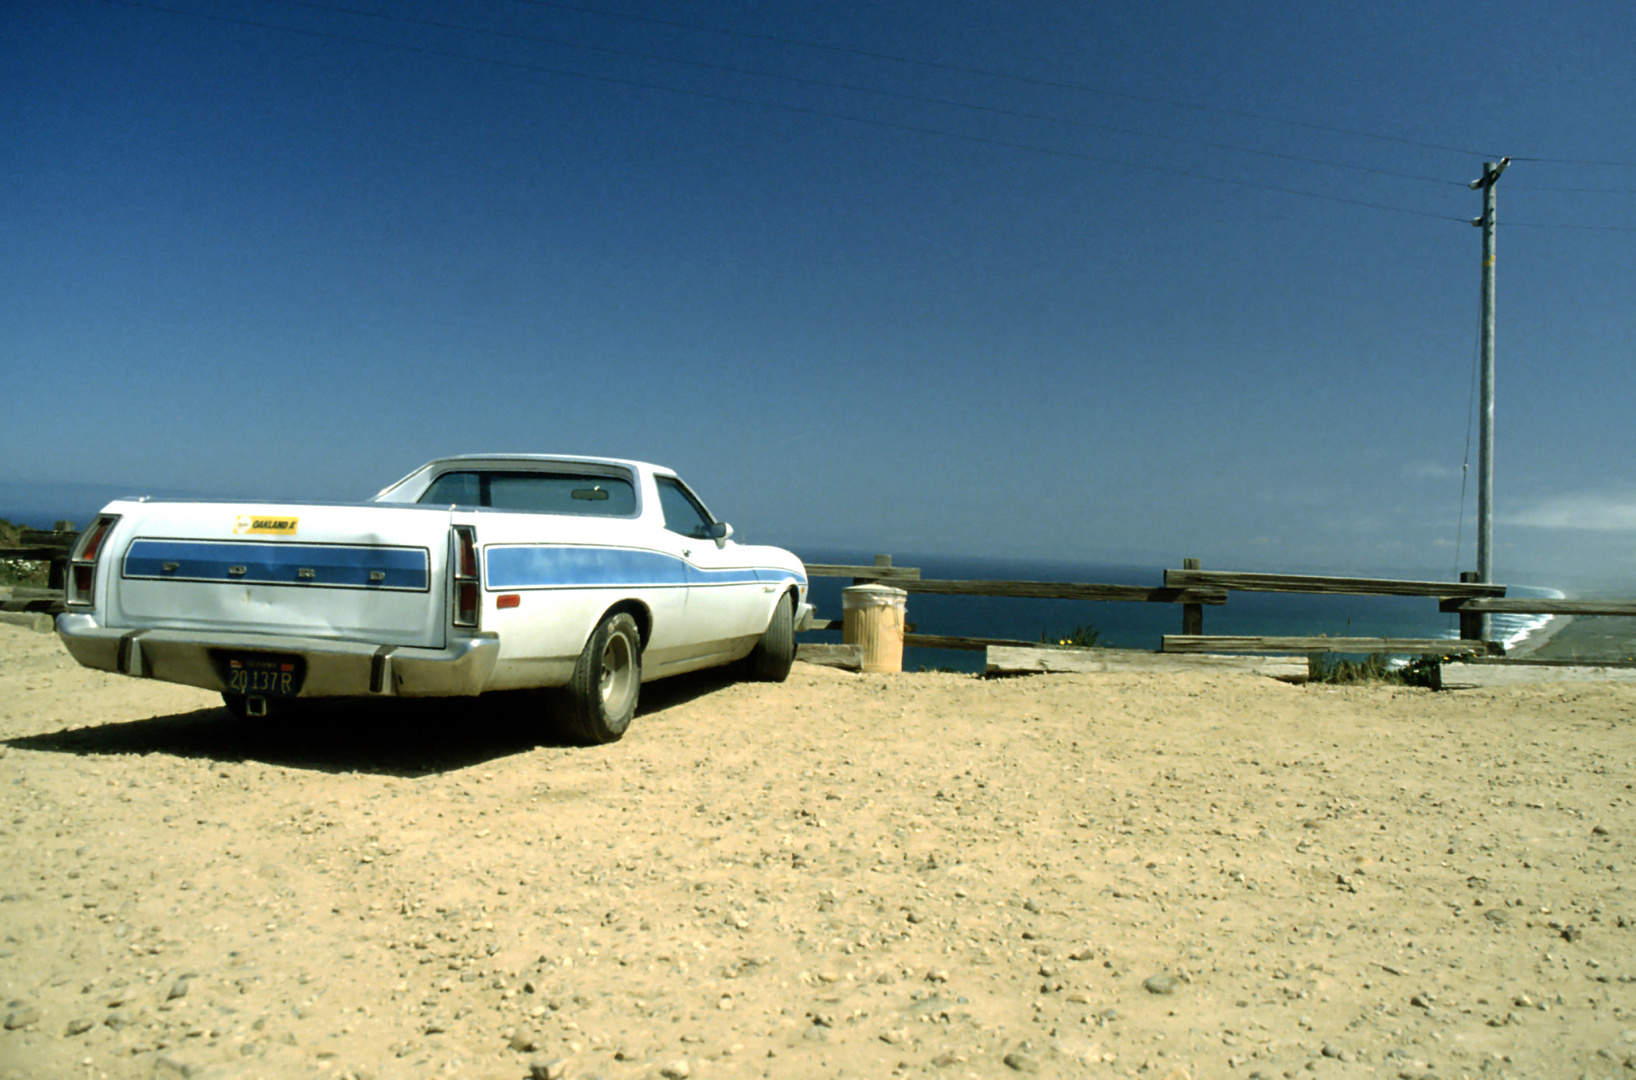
872	618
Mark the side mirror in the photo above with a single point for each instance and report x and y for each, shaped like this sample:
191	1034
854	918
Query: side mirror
720	532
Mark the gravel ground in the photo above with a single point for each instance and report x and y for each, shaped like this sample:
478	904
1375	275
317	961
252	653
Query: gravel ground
844	875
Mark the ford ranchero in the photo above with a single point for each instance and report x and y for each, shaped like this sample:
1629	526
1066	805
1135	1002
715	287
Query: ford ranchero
471	574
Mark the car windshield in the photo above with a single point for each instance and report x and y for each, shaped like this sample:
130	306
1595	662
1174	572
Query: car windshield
535	492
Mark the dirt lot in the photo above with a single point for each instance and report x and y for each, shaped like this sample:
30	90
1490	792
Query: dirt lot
845	875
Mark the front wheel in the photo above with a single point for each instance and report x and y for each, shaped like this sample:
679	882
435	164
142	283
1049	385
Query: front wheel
603	690
770	660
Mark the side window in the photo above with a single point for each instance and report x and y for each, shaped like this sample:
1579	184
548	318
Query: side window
683	513
543	493
457	488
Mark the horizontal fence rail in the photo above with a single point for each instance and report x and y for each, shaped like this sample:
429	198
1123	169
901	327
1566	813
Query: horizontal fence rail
1220	643
1333	586
1061	590
1538	607
878	572
51	546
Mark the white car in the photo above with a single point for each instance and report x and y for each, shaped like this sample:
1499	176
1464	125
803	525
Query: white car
475	573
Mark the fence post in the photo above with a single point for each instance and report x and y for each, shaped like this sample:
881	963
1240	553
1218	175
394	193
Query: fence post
1192	614
883	561
57	569
1471	622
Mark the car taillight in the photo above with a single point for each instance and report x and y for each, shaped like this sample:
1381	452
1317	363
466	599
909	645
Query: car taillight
468	591
82	564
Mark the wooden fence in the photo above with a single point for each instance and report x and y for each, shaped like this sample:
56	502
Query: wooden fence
39	545
1193	588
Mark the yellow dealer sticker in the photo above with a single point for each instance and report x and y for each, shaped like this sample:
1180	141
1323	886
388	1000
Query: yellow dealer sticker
275	526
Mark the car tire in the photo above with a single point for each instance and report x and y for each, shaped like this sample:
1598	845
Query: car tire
607	679
770	660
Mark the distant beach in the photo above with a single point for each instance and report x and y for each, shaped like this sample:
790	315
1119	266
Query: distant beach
1604	638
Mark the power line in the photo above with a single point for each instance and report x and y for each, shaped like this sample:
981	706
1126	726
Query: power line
1579	228
987	73
1578	190
797	109
853	87
1578	161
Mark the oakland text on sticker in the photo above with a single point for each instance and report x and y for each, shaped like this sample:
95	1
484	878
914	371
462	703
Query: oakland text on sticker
277	526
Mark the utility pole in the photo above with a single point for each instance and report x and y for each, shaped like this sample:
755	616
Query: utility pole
1485	438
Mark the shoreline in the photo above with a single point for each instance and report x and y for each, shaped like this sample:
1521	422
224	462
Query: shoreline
1590	637
1539	639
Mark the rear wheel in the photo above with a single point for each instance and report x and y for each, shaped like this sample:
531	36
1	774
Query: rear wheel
603	690
770	660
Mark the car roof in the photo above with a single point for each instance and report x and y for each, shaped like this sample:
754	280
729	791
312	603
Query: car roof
546	459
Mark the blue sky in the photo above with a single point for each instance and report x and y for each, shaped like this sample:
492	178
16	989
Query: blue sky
1100	282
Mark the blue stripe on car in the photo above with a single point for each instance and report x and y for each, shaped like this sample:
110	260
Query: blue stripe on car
332	565
522	566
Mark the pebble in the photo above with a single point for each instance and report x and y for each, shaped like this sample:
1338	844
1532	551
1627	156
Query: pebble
1161	983
522	1042
676	1070
79	1025
23	1017
552	1069
1020	1062
166	1066
178	989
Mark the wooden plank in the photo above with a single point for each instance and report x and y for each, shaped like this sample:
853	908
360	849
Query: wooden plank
1239	581
26	598
1065	590
1521	606
890	574
968	644
1188	643
41	538
39	554
841	656
1461	676
37	621
1036	659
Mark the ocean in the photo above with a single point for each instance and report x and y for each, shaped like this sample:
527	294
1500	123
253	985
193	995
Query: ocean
1140	625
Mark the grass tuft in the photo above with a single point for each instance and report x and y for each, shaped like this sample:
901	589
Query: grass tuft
1336	670
1082	637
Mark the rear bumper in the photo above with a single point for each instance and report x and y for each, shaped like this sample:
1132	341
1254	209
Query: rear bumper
333	668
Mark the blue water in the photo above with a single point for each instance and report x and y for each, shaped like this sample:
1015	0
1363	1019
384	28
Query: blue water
1138	625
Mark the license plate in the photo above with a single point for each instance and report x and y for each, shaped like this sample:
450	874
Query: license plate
264	676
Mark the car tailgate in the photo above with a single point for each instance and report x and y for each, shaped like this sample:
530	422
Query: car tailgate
364	573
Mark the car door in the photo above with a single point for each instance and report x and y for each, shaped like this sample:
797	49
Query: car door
725	602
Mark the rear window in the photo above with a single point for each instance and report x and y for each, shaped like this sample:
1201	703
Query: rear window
541	493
